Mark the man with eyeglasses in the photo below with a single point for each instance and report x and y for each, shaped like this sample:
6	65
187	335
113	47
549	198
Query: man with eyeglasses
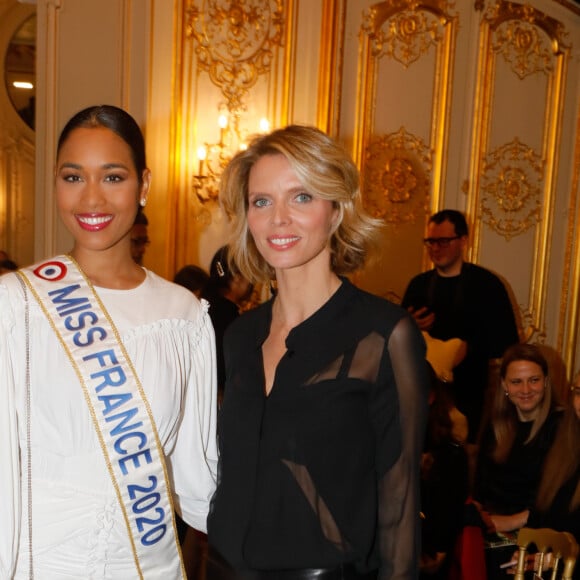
457	299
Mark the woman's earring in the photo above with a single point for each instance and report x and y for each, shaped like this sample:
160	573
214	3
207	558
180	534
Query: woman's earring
143	202
507	394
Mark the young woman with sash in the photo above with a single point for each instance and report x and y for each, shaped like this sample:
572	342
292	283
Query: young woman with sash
321	428
107	383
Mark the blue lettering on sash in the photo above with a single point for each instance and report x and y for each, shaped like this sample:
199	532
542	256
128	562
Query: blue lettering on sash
112	402
113	377
65	306
60	297
69	325
122	427
90	336
129	442
133	435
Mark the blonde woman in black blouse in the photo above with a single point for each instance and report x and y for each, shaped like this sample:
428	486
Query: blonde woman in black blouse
322	424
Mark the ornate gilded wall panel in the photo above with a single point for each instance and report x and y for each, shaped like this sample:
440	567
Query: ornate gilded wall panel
521	77
17	141
401	133
233	61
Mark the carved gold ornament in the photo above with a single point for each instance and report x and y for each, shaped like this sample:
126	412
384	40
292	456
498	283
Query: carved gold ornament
524	49
511	187
235	42
409	33
527	39
397	174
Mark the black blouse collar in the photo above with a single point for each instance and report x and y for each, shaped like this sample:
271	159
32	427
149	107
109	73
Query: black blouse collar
327	312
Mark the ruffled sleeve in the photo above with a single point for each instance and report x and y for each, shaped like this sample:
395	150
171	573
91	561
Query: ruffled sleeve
398	487
194	456
10	500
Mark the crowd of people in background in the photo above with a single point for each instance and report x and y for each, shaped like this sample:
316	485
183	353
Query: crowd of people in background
358	439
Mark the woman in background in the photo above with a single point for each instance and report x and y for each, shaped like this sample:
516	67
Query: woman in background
523	423
107	383
321	429
557	504
225	291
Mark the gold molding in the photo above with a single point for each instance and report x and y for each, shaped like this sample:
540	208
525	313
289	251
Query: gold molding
517	37
235	45
570	5
289	65
400	29
413	30
570	316
494	25
331	57
511	189
398	170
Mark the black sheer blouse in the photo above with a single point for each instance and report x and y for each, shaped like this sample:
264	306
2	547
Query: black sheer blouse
324	470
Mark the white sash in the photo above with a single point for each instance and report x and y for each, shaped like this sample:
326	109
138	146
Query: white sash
119	408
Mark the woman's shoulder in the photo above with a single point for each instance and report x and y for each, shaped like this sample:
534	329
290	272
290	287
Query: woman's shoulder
372	313
11	291
169	299
367	301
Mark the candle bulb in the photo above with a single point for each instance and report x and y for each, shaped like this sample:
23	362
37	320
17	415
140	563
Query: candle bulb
264	125
222	123
201	155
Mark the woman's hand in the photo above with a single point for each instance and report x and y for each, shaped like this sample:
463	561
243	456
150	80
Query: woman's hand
531	563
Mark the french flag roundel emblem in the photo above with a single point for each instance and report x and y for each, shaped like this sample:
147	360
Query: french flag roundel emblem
51	271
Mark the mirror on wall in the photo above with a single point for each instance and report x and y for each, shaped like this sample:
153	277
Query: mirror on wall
20	70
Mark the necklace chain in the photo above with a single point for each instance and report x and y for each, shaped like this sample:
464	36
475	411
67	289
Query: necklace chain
28	427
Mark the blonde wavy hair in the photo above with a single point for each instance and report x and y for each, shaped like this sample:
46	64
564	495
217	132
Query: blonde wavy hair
325	170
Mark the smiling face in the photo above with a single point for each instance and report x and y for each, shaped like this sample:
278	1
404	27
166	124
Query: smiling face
98	189
290	227
525	385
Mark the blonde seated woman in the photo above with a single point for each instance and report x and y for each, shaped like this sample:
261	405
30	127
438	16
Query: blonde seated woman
522	427
557	504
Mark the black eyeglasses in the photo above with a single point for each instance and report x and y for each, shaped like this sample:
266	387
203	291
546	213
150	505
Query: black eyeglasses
441	242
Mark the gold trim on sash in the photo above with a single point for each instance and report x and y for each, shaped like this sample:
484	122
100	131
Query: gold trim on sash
118	406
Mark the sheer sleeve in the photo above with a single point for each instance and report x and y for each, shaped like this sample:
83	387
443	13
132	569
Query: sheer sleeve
9	451
398	487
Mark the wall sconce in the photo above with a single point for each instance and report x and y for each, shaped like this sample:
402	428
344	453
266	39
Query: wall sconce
212	158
